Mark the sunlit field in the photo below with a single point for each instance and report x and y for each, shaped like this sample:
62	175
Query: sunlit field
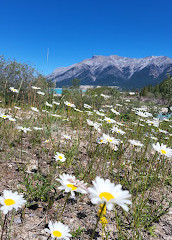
84	166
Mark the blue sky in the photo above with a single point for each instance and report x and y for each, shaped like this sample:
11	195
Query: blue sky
74	30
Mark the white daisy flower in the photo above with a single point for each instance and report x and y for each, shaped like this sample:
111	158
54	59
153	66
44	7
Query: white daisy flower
107	139
144	114
48	104
108	106
134	123
136	143
95	125
78	110
41	93
99	113
117	130
67	137
154	138
12	119
105	191
56	115
71	184
69	104
90	123
37	128
105	96
163	149
163	131
89	113
166	119
56	103
87	106
11	200
45	111
14	90
60	157
34	109
155	123
24	129
120	124
109	120
119	105
4	116
36	88
58	230
114	111
18	108
132	93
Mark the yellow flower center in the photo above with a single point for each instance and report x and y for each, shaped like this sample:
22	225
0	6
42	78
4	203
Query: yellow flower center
163	151
109	140
4	116
108	120
71	186
60	157
57	234
9	202
106	195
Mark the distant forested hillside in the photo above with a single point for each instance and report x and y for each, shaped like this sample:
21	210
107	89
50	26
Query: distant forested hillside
162	90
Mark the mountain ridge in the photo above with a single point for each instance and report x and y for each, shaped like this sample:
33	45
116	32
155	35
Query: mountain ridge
115	70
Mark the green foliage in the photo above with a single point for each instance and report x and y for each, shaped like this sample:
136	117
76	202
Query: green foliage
103	90
74	96
38	187
13	73
20	76
75	83
162	90
78	232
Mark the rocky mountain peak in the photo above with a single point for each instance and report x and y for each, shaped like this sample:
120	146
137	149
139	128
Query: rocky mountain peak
115	70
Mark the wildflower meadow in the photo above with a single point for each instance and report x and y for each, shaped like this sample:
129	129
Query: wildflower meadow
93	165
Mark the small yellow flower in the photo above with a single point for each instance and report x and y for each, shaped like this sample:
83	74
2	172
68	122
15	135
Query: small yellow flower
103	221
104	210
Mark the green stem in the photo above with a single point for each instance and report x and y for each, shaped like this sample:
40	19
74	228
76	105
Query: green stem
21	144
1	221
117	221
19	90
64	206
92	236
3	227
11	222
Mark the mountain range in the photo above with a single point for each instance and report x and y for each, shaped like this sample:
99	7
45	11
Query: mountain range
114	70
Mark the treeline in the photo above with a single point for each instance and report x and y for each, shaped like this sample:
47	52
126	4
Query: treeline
20	76
162	90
